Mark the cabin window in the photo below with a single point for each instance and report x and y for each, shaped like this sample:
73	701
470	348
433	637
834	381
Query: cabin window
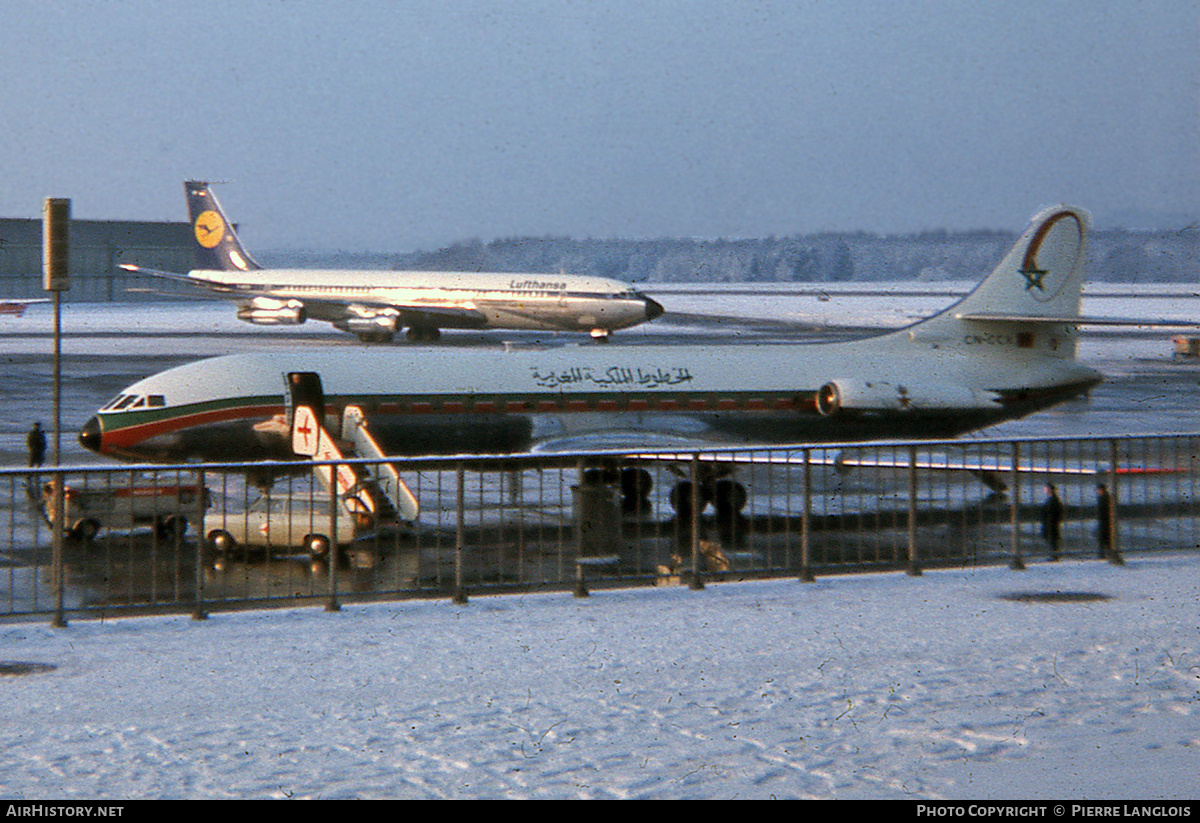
156	400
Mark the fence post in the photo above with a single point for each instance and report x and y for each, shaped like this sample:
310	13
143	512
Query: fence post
806	574
460	594
697	581
198	612
914	566
332	604
1014	508
56	536
578	506
1114	535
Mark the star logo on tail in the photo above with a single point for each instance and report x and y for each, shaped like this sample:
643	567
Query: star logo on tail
1033	278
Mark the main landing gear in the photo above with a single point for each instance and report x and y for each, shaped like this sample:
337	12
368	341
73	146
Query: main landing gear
423	334
727	496
414	334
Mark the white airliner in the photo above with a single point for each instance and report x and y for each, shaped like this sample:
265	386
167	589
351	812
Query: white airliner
1005	350
375	305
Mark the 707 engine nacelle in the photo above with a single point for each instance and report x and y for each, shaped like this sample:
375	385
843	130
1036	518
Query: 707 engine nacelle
382	323
847	395
266	311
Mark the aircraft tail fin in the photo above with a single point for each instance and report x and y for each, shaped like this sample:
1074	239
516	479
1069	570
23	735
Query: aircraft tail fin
217	245
1034	293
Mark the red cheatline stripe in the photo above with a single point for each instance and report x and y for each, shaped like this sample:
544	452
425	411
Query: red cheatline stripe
121	436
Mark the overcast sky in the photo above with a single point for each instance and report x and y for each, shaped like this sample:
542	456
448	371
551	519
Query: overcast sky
393	126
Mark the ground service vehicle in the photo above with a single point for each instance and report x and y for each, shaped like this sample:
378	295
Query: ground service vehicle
87	510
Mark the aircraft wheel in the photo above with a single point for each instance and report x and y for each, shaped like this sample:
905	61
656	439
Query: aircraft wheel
85	530
681	499
636	484
600	476
376	337
729	498
317	545
222	541
421	334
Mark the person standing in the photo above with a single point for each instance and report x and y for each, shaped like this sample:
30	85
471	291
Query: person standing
1052	513
36	442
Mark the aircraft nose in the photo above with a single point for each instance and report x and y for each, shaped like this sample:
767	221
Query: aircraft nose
653	308
89	435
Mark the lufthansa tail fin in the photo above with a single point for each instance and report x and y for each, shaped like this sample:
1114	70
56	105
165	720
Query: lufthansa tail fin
1033	295
217	246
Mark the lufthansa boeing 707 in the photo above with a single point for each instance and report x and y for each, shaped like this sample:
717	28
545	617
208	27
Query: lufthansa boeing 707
374	305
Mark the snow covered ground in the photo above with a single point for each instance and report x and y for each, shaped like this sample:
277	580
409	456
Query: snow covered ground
1069	680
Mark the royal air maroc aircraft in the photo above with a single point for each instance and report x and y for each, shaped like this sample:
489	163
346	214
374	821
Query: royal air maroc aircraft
375	305
1005	350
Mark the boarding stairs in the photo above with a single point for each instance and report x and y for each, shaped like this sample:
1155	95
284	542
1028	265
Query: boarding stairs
371	491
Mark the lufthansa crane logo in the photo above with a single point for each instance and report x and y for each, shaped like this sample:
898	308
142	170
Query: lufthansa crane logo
1052	256
210	228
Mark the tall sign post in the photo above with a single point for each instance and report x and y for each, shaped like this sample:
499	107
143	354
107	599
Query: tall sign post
56	218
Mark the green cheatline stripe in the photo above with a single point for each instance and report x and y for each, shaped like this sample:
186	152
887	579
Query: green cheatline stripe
487	403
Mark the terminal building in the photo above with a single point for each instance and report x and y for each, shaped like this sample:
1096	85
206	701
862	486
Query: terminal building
97	247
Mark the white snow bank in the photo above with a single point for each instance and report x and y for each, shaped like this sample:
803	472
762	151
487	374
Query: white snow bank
871	686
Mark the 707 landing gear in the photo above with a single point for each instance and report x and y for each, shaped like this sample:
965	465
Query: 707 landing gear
423	334
376	337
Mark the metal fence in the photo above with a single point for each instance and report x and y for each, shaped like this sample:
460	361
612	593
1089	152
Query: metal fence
196	538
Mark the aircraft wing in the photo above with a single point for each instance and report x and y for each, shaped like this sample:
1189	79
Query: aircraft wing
990	470
418	313
198	282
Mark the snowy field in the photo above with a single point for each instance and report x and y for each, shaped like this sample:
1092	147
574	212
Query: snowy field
956	684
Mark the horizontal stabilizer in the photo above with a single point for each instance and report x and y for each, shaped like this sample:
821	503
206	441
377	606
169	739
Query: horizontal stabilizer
1079	320
170	275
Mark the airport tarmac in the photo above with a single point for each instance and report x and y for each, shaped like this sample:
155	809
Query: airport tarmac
105	348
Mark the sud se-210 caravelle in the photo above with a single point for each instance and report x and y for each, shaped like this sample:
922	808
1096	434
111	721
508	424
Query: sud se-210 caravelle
1005	350
376	304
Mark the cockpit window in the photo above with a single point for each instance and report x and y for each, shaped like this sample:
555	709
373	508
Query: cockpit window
125	402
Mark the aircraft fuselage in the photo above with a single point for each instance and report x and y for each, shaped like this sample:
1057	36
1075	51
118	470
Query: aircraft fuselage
507	301
420	401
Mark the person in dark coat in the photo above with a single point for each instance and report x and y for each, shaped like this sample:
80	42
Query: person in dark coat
1103	520
36	441
1052	513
